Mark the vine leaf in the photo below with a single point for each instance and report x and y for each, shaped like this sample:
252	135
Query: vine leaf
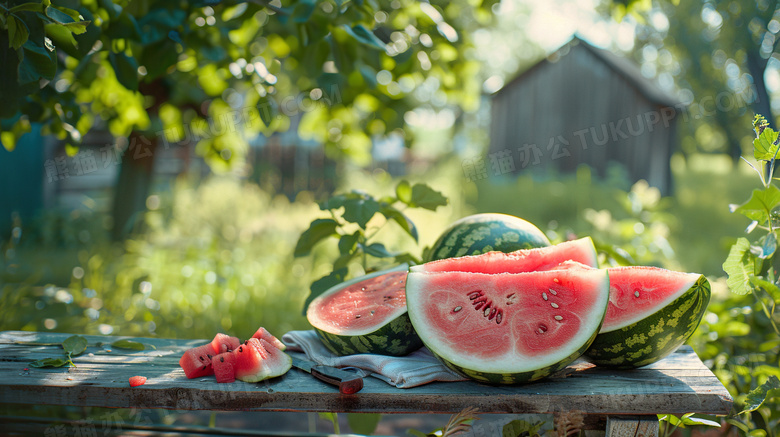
128	344
74	345
739	266
49	362
360	210
426	197
758	395
765	146
318	230
760	204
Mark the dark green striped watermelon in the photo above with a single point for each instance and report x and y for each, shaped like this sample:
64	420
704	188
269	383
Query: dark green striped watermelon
481	233
366	315
652	311
508	328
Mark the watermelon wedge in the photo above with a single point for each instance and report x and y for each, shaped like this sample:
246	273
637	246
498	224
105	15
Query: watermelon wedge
256	360
508	328
365	315
651	312
223	343
224	367
526	260
263	333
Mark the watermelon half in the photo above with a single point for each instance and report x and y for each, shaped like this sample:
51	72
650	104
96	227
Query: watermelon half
652	311
525	260
366	315
508	328
481	233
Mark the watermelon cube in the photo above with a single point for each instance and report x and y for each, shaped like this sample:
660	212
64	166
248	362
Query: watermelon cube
223	343
196	362
224	370
263	333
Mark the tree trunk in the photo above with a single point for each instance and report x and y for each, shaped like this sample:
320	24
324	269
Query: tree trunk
133	184
135	172
762	105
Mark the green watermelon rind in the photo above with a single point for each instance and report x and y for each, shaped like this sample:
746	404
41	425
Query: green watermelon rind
654	337
397	337
509	378
481	233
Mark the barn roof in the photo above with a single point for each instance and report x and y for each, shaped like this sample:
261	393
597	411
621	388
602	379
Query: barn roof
621	65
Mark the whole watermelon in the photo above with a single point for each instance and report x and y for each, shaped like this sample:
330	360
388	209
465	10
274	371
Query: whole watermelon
481	233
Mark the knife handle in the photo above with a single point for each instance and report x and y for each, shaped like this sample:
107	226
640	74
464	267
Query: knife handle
347	382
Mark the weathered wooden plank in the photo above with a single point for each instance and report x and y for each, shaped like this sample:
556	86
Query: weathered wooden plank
632	426
679	386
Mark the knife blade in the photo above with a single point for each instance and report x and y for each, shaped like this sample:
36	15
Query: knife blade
347	382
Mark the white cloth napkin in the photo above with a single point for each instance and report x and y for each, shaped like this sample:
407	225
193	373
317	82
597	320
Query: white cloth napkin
418	368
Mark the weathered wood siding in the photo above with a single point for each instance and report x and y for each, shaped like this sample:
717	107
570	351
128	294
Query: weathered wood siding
576	108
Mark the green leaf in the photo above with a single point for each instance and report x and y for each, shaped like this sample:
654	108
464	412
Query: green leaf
760	205
268	109
49	362
363	423
391	213
77	27
62	15
769	246
318	230
333	418
519	427
128	344
60	35
323	284
74	345
765	147
360	210
17	32
403	191
378	250
347	243
126	69
739	266
426	197
38	63
364	36
758	395
302	11
32	7
696	421
343	260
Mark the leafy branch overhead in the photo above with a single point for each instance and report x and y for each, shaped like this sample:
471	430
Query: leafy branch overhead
171	70
354	220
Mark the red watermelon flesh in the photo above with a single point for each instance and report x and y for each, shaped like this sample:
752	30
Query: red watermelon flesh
356	309
508	323
638	291
526	260
223	343
263	333
196	362
224	367
256	360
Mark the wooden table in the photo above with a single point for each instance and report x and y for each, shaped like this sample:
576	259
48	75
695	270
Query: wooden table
624	401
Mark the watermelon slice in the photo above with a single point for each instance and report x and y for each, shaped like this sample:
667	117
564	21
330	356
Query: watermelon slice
263	333
526	260
223	365
223	343
196	362
507	328
366	315
651	312
256	360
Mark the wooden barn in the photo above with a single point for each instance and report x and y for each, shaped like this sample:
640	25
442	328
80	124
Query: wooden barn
584	105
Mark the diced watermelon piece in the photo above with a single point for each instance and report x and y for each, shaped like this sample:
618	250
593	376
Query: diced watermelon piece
224	369
257	360
135	381
223	343
196	362
263	334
